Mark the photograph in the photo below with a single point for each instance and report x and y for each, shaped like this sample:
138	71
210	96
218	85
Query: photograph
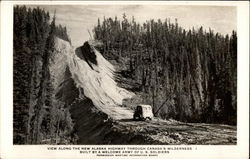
124	74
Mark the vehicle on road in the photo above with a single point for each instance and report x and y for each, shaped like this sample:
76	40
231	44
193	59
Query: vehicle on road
143	112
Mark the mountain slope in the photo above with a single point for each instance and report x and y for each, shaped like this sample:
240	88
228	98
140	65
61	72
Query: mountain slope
97	82
84	80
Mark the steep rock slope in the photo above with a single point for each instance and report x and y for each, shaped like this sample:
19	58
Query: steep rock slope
84	80
95	76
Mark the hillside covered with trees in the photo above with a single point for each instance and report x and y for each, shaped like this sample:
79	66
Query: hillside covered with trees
36	112
187	75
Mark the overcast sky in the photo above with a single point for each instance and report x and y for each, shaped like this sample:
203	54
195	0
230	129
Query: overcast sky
79	18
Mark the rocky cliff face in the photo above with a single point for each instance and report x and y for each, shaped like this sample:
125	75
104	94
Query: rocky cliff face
84	81
88	120
78	90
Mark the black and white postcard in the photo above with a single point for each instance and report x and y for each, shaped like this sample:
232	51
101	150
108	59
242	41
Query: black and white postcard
124	79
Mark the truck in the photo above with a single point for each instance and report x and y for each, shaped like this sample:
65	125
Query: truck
143	112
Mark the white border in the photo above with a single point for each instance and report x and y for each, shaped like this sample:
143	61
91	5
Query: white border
236	151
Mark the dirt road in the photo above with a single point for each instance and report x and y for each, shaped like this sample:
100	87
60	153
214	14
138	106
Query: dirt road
174	133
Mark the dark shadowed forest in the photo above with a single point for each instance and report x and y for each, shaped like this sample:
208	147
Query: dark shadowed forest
36	112
187	75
